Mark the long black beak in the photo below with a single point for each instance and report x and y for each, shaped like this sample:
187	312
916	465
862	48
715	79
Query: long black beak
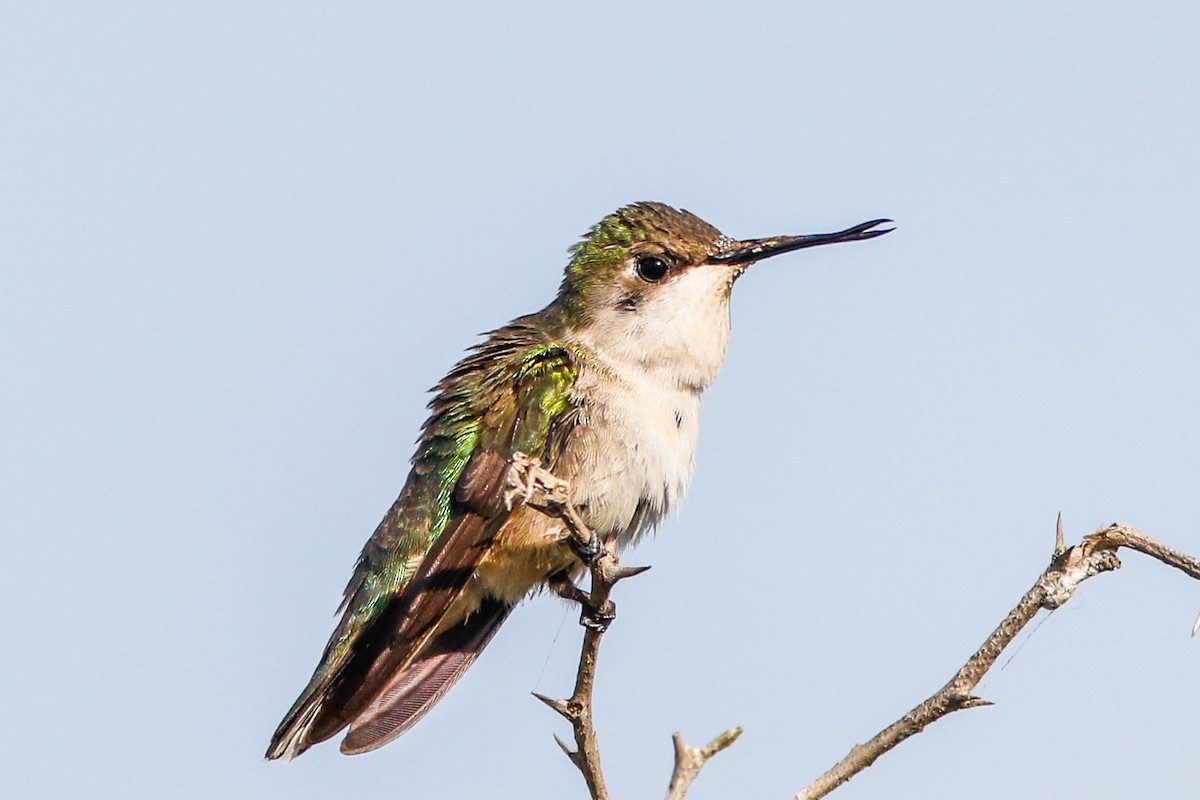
757	249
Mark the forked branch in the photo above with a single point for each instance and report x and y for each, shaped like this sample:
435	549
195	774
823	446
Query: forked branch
690	760
1069	567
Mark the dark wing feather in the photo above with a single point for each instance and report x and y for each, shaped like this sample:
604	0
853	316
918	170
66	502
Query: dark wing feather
416	689
509	395
438	583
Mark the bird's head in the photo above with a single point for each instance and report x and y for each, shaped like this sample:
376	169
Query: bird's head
650	284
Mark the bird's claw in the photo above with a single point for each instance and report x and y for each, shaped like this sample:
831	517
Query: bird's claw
529	482
597	619
590	615
587	550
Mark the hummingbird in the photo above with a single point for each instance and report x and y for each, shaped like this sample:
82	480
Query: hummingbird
602	389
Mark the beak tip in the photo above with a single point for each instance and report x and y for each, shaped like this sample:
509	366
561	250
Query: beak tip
755	249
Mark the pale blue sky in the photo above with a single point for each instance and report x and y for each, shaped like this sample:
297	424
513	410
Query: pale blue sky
239	240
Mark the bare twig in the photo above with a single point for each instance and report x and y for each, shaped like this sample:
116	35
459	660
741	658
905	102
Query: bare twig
690	760
551	495
605	572
577	709
1068	568
1115	536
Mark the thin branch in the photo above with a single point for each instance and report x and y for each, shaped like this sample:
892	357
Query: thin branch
532	484
690	760
577	709
605	572
1068	568
544	491
1125	536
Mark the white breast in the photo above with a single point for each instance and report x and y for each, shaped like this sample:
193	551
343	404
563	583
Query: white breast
631	458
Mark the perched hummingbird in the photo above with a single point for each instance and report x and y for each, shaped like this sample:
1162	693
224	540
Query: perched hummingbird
602	388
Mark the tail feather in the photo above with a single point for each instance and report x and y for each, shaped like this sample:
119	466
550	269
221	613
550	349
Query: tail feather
344	660
292	737
294	734
416	689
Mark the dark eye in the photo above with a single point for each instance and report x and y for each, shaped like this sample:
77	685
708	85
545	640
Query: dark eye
652	268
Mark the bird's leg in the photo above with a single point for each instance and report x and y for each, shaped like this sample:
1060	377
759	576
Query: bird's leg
531	483
562	585
590	615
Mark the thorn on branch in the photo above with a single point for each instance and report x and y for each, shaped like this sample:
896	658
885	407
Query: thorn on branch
975	702
629	572
561	706
573	755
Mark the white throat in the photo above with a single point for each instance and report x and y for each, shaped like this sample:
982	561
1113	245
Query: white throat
678	335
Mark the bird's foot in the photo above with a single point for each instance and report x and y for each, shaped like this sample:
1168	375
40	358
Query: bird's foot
588	550
530	483
590	615
598	618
